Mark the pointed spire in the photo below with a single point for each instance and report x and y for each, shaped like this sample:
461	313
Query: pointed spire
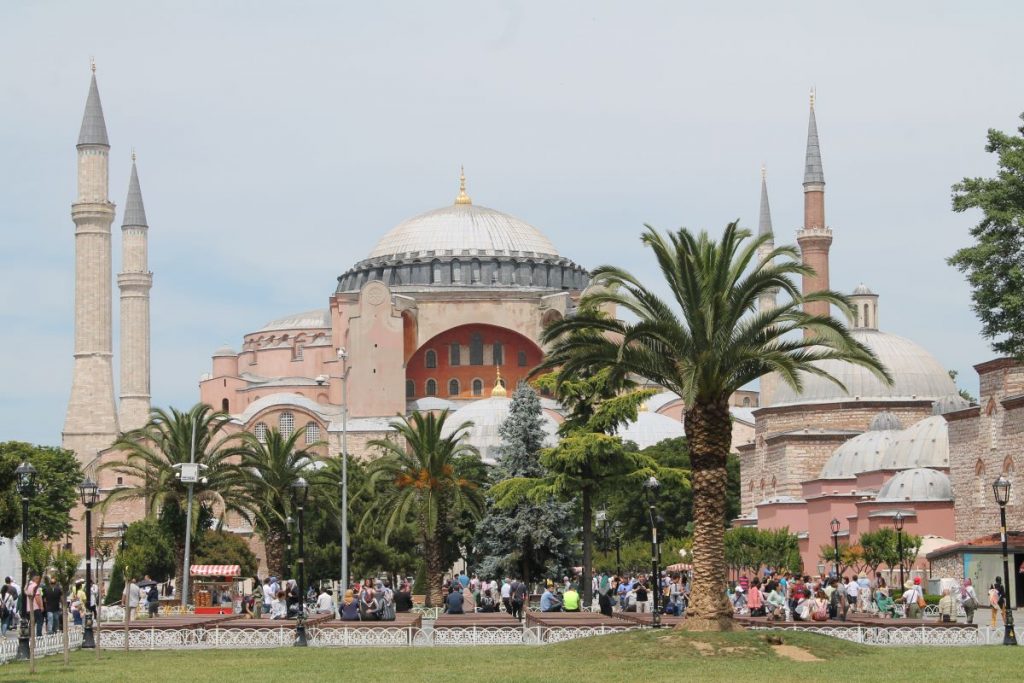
813	172
463	198
499	390
94	128
764	223
134	211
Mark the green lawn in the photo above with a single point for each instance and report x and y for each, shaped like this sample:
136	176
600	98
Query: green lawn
638	656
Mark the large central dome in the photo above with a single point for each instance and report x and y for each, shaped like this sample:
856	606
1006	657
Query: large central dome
464	229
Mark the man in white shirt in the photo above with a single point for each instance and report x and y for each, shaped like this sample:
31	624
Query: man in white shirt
133	595
910	597
851	593
506	595
324	602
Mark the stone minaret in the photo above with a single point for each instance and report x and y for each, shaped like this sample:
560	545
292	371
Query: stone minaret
91	421
134	281
816	237
766	301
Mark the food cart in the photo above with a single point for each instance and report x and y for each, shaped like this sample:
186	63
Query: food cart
217	588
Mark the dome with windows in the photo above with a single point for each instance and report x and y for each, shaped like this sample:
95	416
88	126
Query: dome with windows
487	416
918	484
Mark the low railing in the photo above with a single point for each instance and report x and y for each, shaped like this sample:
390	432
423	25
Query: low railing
49	644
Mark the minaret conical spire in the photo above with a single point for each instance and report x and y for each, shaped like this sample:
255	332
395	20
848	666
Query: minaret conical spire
94	128
813	172
764	221
134	210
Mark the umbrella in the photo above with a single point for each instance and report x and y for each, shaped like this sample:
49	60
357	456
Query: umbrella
146	583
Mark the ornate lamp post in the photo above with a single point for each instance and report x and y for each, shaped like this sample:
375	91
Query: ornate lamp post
898	523
651	487
834	525
89	493
300	489
25	477
1001	489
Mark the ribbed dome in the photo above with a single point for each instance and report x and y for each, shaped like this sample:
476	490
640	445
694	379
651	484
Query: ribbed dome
948	404
916	373
918	484
464	229
923	444
225	351
885	420
862	453
651	428
487	415
315	319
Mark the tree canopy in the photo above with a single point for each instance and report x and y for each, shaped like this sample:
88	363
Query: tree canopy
57	478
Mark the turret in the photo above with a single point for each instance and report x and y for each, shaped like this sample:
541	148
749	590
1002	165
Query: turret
815	238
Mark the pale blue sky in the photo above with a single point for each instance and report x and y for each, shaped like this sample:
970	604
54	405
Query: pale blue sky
278	141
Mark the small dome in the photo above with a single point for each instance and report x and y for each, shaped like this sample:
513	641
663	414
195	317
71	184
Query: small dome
862	289
885	421
918	484
949	404
922	444
862	453
316	319
224	351
651	428
487	416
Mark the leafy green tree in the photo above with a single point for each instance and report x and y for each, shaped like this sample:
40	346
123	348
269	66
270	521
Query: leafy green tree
704	345
57	477
214	546
994	265
65	567
149	549
422	477
530	540
748	549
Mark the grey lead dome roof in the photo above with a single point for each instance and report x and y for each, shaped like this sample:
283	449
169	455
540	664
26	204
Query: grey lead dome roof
919	484
316	319
916	374
463	228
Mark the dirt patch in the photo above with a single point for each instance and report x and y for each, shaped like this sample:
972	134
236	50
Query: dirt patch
709	650
705	649
797	654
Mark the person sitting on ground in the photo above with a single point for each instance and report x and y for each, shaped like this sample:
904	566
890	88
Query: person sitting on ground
487	602
403	598
369	606
349	607
604	601
279	606
453	604
571	599
775	601
755	599
886	605
549	602
819	612
324	602
739	600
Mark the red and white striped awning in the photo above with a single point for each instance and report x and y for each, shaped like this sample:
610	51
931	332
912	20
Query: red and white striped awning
215	570
680	567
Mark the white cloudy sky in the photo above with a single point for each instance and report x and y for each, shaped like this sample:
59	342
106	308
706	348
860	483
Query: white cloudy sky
277	141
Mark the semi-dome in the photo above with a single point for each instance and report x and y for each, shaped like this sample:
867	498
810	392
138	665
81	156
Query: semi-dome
487	416
949	404
916	374
651	428
922	444
316	319
918	484
885	420
862	453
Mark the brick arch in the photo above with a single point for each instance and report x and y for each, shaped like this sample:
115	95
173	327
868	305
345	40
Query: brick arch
1008	466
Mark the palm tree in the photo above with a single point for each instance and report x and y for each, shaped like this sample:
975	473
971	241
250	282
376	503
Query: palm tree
424	480
704	346
266	471
151	454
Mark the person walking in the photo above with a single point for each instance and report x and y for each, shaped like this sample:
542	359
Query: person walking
996	599
506	595
968	599
912	597
8	606
519	597
130	599
153	601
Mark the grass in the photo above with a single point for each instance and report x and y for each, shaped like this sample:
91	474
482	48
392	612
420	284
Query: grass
647	656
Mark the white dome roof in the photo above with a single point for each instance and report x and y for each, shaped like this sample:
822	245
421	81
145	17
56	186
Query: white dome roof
487	415
651	428
316	319
918	484
464	229
922	444
862	453
916	374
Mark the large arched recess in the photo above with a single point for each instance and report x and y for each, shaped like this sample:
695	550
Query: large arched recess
519	354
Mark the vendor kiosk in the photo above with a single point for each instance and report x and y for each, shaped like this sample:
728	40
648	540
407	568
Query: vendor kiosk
217	588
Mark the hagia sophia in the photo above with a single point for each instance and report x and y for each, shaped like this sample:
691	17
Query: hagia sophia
446	311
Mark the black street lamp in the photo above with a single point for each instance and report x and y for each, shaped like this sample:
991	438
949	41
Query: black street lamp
651	487
25	476
89	493
300	489
1001	489
834	525
122	531
289	525
897	522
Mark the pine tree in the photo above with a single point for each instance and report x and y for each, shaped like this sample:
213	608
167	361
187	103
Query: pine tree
530	540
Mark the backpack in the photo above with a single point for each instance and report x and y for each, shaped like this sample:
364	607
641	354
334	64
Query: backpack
820	614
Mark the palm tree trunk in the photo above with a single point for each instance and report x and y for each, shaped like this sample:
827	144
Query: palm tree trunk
435	571
274	544
709	434
587	543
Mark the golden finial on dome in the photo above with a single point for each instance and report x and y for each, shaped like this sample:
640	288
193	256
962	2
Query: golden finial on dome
463	198
499	386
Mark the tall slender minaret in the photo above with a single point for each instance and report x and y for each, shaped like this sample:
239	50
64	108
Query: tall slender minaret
91	421
767	300
816	237
134	281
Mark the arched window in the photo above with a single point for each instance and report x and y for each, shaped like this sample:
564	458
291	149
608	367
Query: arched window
312	433
980	484
867	320
430	358
410	388
478	387
286	424
436	275
297	350
773	487
454	354
431	387
522	359
499	354
260	431
224	406
746	401
456	272
476	349
453	387
475	271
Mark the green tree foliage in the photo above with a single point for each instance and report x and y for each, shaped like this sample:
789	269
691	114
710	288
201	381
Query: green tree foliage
994	265
35	555
149	549
705	343
57	477
221	547
748	549
636	555
529	540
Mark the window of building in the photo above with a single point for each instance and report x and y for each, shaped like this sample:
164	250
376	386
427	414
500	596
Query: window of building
286	424
456	271
455	354
453	387
261	432
431	387
476	349
746	401
297	351
224	405
312	433
120	481
431	358
436	272
499	354
475	271
522	359
478	387
410	388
